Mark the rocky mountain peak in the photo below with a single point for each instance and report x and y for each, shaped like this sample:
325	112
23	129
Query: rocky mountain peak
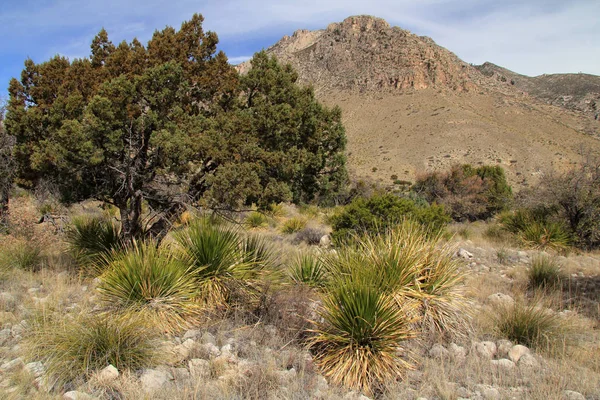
364	53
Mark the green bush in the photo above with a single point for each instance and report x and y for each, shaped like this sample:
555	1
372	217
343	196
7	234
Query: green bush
149	280
91	239
381	212
255	220
293	225
538	228
468	193
308	269
545	273
532	325
26	256
356	343
225	264
73	348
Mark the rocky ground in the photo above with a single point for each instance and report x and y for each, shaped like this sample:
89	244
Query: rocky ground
227	358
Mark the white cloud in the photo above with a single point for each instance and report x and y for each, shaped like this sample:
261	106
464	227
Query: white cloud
527	36
238	59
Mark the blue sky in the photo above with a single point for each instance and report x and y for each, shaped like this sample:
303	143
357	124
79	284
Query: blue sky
527	36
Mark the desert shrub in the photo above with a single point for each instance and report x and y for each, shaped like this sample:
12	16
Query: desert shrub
537	227
468	193
381	212
224	263
73	348
23	255
255	220
311	236
545	273
293	225
91	239
357	341
412	266
531	325
308	269
150	280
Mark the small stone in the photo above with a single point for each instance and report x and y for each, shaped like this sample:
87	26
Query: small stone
485	349
500	300
504	347
212	350
325	241
181	374
491	393
517	351
457	352
108	374
527	361
184	349
208	338
154	379
35	368
226	349
438	351
5	335
12	365
462	253
192	334
199	368
572	395
504	364
75	395
322	384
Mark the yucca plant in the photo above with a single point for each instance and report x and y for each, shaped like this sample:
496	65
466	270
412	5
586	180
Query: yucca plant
293	225
73	348
308	269
26	256
221	259
546	235
150	280
532	325
91	239
255	220
545	273
361	331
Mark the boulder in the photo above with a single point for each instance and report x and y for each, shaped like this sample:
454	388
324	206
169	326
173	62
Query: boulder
75	395
571	395
438	351
518	351
462	253
504	347
199	368
485	349
155	379
36	369
108	374
503	364
500	300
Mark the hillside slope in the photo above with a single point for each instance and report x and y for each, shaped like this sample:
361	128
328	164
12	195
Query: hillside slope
412	106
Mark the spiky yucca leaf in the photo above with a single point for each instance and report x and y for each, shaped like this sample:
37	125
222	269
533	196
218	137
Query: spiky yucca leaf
308	269
73	348
546	235
545	273
357	342
91	239
150	280
221	259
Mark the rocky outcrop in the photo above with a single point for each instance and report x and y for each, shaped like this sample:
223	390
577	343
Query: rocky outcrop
365	53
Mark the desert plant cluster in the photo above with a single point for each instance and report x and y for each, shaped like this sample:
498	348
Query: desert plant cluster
173	229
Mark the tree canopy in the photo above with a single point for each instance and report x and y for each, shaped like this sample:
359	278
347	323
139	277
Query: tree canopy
172	122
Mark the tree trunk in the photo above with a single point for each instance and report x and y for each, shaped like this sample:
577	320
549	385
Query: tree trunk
131	218
4	197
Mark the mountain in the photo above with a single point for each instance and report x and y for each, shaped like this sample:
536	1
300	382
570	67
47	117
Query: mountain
578	92
411	106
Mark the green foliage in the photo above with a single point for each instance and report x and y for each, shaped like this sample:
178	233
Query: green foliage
293	225
255	220
149	280
308	269
545	273
26	256
91	239
224	264
73	348
536	228
531	325
380	212
357	341
175	113
468	193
